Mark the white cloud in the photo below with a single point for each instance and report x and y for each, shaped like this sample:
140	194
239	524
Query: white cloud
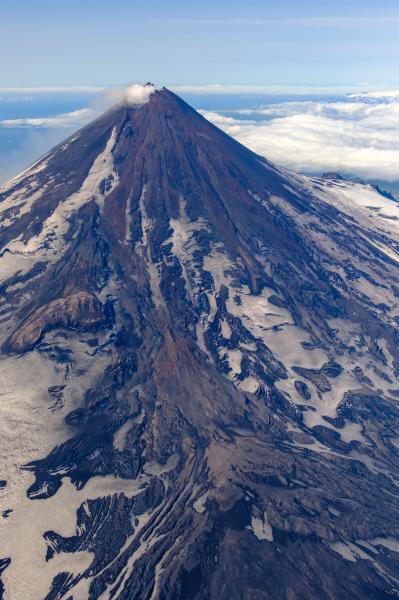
132	95
266	89
355	135
358	135
377	94
77	118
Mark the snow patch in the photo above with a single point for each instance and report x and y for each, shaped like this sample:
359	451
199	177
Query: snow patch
199	504
262	528
49	242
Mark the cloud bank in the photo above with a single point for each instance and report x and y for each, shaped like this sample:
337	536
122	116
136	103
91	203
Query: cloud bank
295	90
357	135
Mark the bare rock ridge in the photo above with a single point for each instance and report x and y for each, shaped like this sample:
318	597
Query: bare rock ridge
80	310
199	371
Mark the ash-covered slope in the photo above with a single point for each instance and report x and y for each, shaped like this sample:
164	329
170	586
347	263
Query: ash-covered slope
199	372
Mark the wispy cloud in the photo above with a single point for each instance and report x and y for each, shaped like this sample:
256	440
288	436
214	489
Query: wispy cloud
15	93
393	94
267	89
77	118
17	98
356	136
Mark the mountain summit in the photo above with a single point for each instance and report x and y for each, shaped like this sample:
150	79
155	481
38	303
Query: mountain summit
199	371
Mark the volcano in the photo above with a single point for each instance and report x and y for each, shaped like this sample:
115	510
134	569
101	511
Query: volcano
199	371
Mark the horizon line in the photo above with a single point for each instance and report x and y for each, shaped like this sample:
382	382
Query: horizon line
215	88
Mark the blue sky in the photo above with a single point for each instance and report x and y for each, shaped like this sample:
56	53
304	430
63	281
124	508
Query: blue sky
291	42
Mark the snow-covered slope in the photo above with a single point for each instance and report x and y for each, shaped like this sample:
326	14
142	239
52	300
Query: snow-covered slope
199	371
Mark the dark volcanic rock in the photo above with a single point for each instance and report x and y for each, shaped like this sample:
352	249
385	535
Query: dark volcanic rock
199	371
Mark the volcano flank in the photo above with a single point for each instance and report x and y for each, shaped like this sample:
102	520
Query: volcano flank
199	371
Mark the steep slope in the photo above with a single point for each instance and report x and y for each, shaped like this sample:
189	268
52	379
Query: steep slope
199	371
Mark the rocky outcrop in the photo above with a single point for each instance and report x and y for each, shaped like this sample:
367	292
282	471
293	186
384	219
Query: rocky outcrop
81	311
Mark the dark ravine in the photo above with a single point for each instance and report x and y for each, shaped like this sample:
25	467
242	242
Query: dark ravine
199	372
